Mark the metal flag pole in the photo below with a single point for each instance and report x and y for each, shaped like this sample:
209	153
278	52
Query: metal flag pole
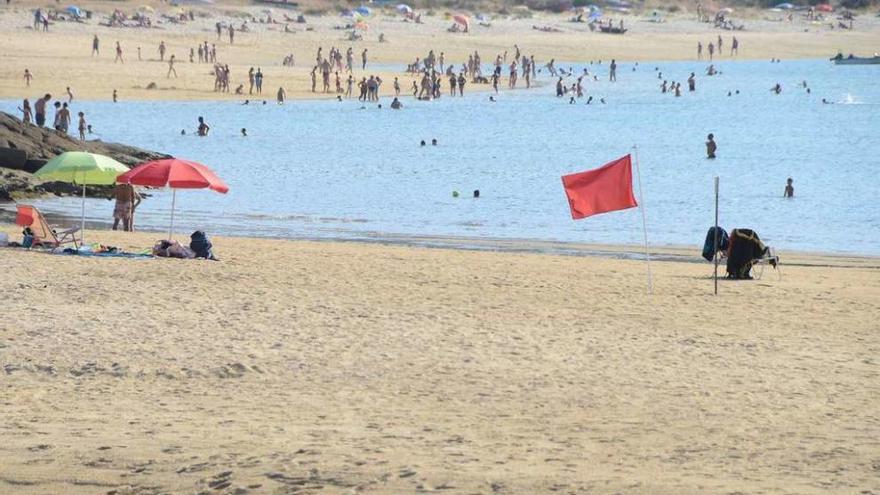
82	231
173	200
644	221
715	251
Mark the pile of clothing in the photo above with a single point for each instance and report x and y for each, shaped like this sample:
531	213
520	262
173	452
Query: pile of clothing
743	248
199	247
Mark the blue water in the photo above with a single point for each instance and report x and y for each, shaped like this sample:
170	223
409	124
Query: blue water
323	169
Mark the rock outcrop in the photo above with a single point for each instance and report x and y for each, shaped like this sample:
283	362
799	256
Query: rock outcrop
24	149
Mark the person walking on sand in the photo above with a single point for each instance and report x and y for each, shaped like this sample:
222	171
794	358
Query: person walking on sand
711	147
364	59
115	96
82	126
789	189
127	200
118	54
612	72
314	76
251	81
280	96
711	50
720	46
258	81
69	95
734	47
27	78
161	51
231	34
95	45
461	83
171	68
699	50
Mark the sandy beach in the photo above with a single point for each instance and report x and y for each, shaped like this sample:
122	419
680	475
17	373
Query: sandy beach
301	367
61	58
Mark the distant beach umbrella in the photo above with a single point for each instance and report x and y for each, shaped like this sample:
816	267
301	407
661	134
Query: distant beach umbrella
404	8
74	10
81	168
363	10
462	19
824	7
176	174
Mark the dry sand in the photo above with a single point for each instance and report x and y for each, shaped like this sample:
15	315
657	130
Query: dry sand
300	367
61	58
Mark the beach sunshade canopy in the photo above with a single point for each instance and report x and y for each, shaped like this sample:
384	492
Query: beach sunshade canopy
363	10
461	19
73	9
824	7
404	8
81	168
174	173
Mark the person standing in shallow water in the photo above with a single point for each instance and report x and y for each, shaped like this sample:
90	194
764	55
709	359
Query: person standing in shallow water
711	147
612	73
789	189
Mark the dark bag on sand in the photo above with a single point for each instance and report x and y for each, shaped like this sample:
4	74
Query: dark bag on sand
709	244
200	245
745	248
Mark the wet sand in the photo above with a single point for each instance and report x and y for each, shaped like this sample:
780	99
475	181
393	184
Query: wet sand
301	367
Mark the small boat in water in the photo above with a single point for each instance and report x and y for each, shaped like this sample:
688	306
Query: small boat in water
839	59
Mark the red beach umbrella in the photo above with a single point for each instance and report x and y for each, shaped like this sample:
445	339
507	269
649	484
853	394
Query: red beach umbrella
462	19
824	7
176	174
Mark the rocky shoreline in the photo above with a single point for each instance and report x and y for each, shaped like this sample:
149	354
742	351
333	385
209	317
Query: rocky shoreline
24	149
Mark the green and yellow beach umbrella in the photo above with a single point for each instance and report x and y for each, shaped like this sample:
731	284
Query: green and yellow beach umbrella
81	168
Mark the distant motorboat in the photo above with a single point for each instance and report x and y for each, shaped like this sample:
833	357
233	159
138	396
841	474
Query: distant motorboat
852	60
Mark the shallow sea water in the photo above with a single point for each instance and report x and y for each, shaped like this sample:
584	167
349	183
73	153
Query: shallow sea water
324	169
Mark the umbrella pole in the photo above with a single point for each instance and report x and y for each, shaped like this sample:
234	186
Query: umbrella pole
173	200
83	225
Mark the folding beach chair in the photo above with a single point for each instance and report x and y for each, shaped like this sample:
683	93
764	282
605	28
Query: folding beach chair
45	234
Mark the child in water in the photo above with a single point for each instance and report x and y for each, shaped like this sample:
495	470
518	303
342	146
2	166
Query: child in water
711	146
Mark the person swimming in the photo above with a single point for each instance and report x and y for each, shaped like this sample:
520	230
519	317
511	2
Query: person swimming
434	142
422	143
243	132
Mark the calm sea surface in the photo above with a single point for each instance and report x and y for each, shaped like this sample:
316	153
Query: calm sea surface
325	169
